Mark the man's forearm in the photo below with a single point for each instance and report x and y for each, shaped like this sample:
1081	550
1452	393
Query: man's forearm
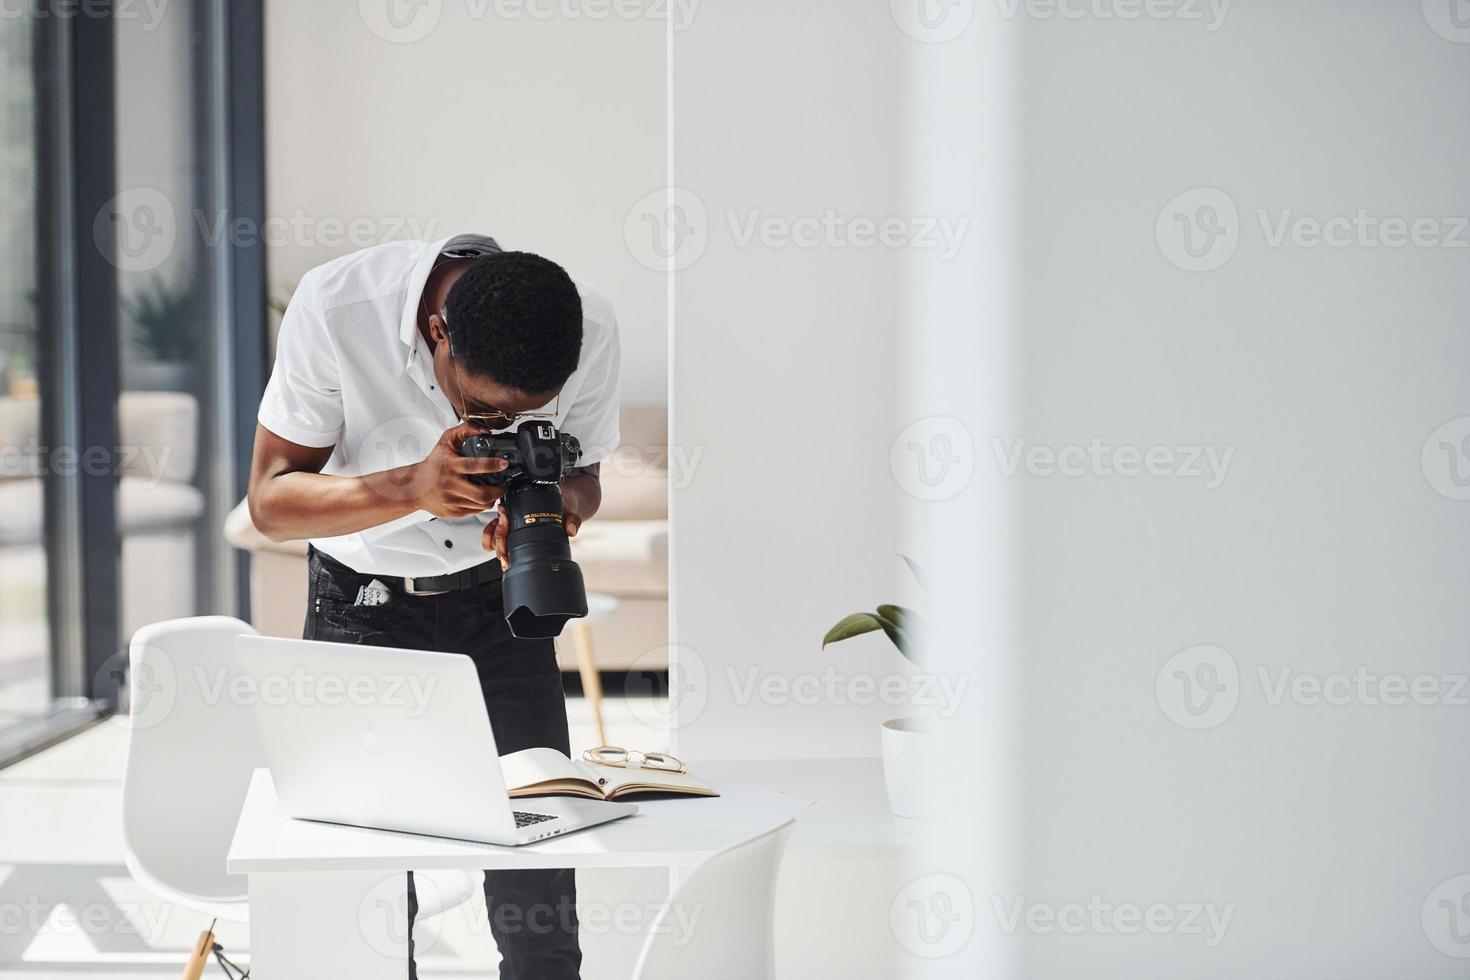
581	493
313	505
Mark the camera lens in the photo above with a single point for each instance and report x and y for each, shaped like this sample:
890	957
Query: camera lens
543	587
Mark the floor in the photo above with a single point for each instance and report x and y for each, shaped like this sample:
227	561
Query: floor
68	907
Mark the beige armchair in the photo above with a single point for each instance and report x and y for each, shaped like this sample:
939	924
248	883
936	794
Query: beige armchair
623	552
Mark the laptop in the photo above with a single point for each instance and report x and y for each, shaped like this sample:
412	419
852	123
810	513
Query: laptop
393	740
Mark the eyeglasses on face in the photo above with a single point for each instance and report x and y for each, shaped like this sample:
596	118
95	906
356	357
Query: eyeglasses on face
491	419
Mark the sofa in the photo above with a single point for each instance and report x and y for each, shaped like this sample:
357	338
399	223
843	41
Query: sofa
623	552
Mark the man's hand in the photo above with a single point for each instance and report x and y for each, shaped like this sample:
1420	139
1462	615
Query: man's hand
441	481
497	530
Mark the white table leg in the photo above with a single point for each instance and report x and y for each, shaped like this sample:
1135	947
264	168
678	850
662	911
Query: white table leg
307	926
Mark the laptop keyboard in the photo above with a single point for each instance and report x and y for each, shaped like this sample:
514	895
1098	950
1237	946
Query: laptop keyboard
524	819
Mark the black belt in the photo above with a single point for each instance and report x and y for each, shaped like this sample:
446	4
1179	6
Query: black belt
484	572
487	571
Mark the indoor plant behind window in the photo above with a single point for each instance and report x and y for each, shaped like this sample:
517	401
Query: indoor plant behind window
905	740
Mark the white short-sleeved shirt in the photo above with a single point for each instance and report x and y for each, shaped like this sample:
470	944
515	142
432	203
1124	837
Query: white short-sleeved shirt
352	371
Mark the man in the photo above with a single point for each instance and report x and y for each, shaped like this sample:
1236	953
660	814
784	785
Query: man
386	360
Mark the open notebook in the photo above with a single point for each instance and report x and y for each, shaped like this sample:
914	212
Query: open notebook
546	772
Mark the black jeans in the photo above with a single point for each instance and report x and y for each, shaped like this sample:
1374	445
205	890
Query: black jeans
532	913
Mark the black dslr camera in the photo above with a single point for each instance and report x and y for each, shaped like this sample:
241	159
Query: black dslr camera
543	587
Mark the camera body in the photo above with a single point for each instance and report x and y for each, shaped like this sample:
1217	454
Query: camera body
535	451
543	587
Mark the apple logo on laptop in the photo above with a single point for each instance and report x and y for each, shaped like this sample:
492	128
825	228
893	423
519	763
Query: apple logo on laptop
372	742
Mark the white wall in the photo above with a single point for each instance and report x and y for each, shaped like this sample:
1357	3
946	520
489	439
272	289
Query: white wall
542	132
784	375
1325	828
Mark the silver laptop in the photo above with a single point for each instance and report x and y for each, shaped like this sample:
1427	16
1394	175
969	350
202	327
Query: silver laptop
393	740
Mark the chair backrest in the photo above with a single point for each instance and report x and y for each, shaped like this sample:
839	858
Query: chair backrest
720	922
193	747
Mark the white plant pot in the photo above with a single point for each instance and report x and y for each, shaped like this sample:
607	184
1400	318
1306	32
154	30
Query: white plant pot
907	742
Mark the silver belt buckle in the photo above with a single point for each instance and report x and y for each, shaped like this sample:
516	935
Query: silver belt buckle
411	588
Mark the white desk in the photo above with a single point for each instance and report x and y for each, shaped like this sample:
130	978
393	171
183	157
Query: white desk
322	897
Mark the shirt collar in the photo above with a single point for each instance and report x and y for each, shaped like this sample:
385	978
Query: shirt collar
461	246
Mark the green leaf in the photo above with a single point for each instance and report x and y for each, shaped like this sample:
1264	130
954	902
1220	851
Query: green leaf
897	615
859	623
855	625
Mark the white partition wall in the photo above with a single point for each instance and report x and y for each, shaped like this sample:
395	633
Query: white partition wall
1246	621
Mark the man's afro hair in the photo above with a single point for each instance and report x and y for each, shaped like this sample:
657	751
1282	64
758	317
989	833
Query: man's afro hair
516	318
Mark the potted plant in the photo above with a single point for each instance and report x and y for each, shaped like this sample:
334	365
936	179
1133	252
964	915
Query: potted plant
163	335
905	740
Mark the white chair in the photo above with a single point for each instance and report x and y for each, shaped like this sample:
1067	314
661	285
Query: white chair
733	894
192	750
